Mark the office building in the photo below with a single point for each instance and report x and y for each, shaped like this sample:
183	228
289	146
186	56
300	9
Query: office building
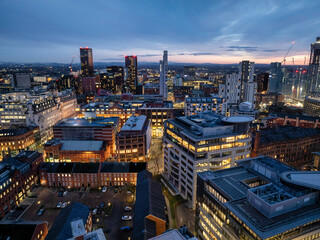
87	151
291	145
194	106
69	220
157	113
149	209
259	199
86	60
131	83
42	109
93	175
181	234
107	110
311	106
269	98
90	84
134	140
201	142
231	90
113	80
275	77
99	129
313	83
13	141
163	75
17	176
26	230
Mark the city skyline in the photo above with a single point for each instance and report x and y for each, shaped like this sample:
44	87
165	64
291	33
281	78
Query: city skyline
193	33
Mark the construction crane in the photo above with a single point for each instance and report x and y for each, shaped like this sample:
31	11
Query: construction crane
70	66
284	59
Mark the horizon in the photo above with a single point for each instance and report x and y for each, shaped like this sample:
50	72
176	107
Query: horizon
195	33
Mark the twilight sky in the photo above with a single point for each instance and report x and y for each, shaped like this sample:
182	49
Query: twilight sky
195	31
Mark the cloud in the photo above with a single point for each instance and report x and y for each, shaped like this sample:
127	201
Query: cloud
195	54
249	49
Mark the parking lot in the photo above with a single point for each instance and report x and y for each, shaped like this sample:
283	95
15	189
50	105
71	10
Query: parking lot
109	205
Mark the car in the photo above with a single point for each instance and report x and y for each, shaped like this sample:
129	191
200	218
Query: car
94	211
127	208
104	189
125	229
64	205
65	193
116	190
126	218
128	192
101	205
59	204
60	194
41	211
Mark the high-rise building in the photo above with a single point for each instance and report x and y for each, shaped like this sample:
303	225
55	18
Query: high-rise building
131	64
115	79
163	75
248	86
262	82
23	80
276	77
313	83
86	61
231	89
201	142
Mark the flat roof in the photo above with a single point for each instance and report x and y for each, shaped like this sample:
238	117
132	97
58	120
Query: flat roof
238	119
73	145
81	122
134	123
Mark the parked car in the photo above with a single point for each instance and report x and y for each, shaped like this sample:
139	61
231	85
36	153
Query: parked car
94	211
127	208
128	192
65	193
41	211
60	194
125	229
101	205
64	205
104	189
116	190
126	218
59	204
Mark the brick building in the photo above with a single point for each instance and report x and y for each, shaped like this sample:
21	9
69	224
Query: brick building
134	140
98	129
157	113
20	229
94	175
292	145
57	150
284	119
17	176
14	141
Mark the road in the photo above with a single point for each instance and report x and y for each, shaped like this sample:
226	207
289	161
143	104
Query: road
155	163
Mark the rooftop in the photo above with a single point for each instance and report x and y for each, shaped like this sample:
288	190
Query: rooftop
62	228
286	133
258	190
204	100
134	123
73	145
81	122
149	201
15	132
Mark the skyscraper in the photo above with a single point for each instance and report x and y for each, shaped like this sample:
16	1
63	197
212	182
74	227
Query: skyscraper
86	62
248	86
275	78
313	83
131	64
163	75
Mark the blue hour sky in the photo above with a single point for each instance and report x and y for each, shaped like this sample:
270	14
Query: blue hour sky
212	31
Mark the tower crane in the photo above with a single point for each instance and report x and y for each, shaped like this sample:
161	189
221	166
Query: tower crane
70	66
284	59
